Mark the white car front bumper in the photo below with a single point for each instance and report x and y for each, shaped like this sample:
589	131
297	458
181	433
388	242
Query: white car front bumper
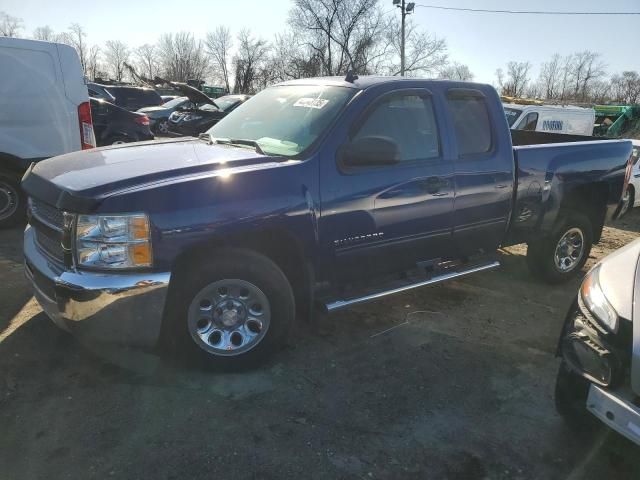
616	410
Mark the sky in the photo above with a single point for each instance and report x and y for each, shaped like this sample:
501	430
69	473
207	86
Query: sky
482	41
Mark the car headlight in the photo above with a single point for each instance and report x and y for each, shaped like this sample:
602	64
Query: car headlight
113	241
596	302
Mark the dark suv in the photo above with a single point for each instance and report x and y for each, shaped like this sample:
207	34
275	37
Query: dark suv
134	98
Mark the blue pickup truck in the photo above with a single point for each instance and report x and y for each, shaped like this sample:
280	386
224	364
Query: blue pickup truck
315	193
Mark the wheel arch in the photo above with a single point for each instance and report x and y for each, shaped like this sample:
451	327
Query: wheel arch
12	164
590	199
277	244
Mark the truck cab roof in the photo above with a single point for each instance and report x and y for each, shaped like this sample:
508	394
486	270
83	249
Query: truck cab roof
366	81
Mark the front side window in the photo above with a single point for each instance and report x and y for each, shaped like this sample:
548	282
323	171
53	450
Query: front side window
409	121
284	120
471	121
530	122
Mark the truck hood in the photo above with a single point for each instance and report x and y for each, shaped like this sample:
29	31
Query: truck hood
79	181
617	277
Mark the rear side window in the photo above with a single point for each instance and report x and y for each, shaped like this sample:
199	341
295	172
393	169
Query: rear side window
471	121
136	96
409	121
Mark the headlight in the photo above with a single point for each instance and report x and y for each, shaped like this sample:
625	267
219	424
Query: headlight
595	300
113	241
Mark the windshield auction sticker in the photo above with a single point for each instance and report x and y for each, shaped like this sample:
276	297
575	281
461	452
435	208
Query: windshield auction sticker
311	102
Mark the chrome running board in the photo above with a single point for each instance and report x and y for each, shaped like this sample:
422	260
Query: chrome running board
340	304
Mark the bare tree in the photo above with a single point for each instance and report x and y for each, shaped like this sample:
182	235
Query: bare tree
499	73
516	80
339	32
587	67
76	38
182	57
10	26
249	61
289	59
626	87
45	34
456	71
219	44
566	72
549	79
116	54
599	91
93	58
425	54
147	60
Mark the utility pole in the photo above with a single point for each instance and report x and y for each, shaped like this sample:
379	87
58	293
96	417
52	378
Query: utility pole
405	9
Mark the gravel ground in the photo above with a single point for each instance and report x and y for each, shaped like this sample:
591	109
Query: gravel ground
459	386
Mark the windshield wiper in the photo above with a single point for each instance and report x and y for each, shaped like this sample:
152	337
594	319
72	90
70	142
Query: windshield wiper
240	141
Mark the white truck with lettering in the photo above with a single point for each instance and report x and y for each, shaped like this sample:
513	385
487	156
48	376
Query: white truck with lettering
550	118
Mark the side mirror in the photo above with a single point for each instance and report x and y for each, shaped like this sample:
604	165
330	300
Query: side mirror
371	151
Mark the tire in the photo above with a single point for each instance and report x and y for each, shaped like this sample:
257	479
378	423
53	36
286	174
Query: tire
571	394
631	192
13	201
119	140
574	228
162	126
230	312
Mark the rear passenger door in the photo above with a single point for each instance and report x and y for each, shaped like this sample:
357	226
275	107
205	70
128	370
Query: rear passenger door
385	218
483	171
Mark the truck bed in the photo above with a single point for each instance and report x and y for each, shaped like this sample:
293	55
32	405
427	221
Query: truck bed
547	178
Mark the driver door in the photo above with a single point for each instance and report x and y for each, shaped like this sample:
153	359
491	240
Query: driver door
378	219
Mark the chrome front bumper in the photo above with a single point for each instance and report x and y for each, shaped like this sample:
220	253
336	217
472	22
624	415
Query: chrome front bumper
616	410
122	308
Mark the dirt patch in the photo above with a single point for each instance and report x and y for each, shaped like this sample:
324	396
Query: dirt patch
454	381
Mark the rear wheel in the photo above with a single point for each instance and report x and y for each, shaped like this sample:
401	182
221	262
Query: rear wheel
13	201
231	311
119	140
559	256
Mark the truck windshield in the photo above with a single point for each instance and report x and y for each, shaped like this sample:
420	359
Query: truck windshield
512	115
284	120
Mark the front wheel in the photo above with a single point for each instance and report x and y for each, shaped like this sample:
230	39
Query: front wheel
571	395
231	311
162	127
13	201
559	256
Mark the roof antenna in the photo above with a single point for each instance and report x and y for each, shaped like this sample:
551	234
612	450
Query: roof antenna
351	76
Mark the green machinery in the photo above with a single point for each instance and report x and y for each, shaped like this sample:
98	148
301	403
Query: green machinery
612	119
213	92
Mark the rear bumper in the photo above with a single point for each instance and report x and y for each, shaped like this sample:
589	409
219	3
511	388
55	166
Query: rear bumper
616	410
118	308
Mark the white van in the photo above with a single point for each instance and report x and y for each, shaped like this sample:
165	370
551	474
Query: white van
550	118
44	111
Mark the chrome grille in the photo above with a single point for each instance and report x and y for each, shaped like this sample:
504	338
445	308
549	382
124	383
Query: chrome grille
48	224
47	214
49	244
